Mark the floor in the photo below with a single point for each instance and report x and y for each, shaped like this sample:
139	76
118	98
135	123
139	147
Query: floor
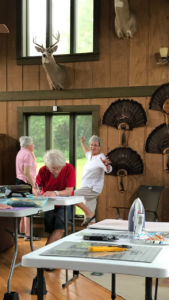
81	289
129	287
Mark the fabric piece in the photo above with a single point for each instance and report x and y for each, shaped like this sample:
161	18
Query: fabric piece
25	159
16	208
93	172
52	222
90	198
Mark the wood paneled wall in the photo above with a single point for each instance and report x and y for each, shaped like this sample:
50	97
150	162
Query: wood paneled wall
122	63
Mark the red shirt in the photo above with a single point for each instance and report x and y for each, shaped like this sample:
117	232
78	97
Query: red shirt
65	179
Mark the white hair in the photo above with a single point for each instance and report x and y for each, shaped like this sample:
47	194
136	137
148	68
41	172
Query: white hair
54	158
95	138
25	141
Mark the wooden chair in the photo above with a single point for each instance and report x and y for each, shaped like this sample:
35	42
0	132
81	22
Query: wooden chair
150	196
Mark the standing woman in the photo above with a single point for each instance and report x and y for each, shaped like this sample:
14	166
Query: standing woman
93	177
26	174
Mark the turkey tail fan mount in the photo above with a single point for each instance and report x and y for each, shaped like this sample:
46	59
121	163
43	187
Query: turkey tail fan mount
125	161
158	140
127	112
160	100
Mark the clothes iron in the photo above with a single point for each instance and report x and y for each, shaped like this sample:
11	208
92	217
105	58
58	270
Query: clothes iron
136	218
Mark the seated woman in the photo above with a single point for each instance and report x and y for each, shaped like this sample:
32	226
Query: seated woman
93	177
56	178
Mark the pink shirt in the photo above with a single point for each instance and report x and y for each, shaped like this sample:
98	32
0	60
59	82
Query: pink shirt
25	158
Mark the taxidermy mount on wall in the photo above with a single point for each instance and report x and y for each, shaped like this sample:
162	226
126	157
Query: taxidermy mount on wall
158	142
125	115
125	161
160	100
125	20
56	74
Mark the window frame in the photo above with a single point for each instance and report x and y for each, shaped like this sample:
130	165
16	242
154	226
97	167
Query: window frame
64	58
23	114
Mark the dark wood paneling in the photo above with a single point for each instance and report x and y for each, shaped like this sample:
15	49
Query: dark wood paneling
139	44
3	43
158	37
101	68
31	78
14	72
119	54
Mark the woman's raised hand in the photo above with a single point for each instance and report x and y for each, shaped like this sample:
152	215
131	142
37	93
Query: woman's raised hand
82	139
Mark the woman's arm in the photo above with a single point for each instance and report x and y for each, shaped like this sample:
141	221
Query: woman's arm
85	149
107	163
27	173
66	192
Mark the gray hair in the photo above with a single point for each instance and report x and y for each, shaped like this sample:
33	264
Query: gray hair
25	141
54	158
95	138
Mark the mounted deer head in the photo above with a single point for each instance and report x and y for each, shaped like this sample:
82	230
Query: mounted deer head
56	74
125	21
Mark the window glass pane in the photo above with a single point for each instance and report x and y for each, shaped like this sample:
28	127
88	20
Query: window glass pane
61	134
61	24
83	127
36	130
36	25
84	26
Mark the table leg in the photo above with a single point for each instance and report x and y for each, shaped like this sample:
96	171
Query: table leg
75	273
113	287
9	294
73	218
31	233
40	284
156	289
148	288
34	290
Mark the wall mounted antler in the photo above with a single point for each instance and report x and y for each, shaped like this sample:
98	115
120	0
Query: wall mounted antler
125	21
158	142
56	74
125	161
125	115
160	100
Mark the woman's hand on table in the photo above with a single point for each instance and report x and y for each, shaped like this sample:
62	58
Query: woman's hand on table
4	206
36	192
49	194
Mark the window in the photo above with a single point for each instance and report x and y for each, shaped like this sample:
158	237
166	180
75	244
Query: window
60	130
77	22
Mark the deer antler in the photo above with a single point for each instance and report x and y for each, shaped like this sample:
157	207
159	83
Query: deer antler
34	41
57	38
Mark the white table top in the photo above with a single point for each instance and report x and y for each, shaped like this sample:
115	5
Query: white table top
159	268
65	201
113	224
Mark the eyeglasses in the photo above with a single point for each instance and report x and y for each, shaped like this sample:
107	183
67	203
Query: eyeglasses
52	168
94	145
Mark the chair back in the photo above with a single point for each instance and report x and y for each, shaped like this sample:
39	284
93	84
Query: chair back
150	195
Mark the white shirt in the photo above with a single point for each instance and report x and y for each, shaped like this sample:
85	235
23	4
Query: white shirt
93	172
